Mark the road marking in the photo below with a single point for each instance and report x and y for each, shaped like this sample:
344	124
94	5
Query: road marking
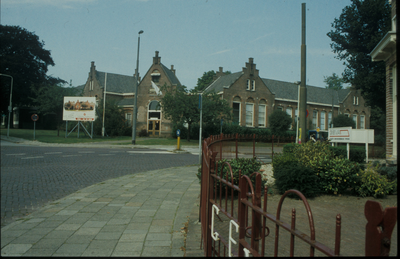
86	152
52	153
106	154
31	157
19	154
149	152
70	155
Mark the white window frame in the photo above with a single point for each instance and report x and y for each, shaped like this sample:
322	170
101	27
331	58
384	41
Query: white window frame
322	121
262	107
290	114
329	119
250	114
240	109
354	117
315	119
362	121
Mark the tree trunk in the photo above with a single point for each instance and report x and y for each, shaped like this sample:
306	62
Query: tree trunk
188	134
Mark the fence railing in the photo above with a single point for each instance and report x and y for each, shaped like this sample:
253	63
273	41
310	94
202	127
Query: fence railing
241	226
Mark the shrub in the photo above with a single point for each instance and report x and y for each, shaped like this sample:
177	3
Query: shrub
290	174
288	148
143	133
389	172
343	121
374	184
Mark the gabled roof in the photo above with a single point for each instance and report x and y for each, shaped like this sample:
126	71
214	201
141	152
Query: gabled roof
126	101
289	91
222	82
116	83
171	75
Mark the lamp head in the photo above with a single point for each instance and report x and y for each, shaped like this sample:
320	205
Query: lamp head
141	31
297	82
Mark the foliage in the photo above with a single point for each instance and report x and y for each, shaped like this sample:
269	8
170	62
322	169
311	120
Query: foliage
355	34
114	120
279	122
343	121
204	81
50	99
378	123
290	174
374	184
143	133
333	82
389	171
288	148
357	154
24	58
181	106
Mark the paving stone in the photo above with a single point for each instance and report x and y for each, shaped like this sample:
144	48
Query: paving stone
71	250
15	249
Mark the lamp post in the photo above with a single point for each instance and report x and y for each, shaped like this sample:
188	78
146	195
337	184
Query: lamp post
9	107
135	79
298	111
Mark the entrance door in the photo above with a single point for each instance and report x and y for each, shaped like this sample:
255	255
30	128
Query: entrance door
154	128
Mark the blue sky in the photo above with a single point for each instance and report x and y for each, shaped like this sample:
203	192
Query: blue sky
193	35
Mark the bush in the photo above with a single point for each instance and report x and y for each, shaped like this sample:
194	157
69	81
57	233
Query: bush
143	133
343	121
374	184
389	172
357	154
290	174
288	148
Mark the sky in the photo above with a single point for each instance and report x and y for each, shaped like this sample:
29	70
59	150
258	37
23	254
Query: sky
195	36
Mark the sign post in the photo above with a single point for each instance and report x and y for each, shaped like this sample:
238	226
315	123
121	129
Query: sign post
34	117
178	133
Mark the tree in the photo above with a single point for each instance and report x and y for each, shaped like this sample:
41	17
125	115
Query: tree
50	98
114	120
182	106
206	80
333	82
279	122
343	121
23	57
356	32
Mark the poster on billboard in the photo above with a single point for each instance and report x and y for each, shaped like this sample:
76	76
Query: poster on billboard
79	108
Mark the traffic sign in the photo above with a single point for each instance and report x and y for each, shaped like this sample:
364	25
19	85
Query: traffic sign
34	117
306	112
178	133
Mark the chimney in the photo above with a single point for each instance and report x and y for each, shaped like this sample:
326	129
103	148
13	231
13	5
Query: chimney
92	72
219	73
157	59
251	67
172	69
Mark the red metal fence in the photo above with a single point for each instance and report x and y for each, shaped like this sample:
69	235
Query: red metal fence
244	224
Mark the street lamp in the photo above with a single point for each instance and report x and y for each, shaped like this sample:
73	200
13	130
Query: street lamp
9	107
298	83
135	79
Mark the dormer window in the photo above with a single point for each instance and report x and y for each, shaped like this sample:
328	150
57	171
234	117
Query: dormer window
155	76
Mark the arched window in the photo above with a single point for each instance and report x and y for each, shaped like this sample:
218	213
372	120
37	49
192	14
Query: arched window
249	112
262	112
154	110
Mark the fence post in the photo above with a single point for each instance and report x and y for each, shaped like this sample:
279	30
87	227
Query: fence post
256	218
241	213
379	228
220	146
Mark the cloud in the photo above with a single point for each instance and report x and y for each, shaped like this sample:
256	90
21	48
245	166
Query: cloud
65	4
220	52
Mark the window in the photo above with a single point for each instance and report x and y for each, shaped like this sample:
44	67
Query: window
248	84
355	119
253	85
261	115
289	112
128	118
280	108
155	76
362	122
154	111
322	121
236	113
355	100
315	119
330	119
249	114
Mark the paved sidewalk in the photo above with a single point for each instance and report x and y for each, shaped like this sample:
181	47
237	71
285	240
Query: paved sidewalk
135	215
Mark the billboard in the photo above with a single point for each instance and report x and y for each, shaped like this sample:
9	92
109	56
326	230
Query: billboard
79	108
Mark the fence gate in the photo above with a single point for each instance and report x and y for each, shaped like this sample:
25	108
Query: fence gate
235	221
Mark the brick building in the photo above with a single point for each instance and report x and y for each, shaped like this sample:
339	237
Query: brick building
120	88
254	98
386	51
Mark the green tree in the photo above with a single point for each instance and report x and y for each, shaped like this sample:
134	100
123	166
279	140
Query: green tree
333	82
22	56
206	80
114	120
279	122
50	97
343	121
356	32
182	106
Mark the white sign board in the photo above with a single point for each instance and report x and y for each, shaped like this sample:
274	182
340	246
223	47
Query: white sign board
79	108
341	135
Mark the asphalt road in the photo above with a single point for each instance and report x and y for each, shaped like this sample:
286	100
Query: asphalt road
32	176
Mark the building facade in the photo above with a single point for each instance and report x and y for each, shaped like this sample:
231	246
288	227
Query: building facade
386	51
253	99
120	88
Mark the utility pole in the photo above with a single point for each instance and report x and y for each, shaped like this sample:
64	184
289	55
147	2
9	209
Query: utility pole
303	88
135	83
